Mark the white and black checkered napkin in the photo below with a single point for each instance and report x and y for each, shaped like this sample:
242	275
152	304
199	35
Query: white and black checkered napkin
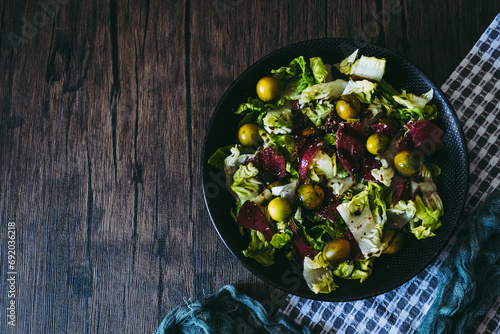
474	91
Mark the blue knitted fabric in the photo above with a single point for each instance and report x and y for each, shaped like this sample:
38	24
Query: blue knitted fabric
227	311
470	279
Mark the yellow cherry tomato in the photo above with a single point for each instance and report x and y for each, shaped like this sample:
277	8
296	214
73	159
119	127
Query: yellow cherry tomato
279	209
406	163
337	251
377	143
345	110
310	130
310	196
268	89
248	135
392	241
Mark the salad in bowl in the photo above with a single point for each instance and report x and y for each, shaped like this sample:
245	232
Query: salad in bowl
331	168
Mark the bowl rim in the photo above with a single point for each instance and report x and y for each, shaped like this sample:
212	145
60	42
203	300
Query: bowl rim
357	43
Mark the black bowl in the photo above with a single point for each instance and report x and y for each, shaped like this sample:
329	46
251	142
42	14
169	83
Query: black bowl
388	271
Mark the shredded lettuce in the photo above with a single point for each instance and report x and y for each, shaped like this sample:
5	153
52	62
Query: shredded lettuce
428	216
278	121
378	198
318	69
245	184
358	217
401	214
385	173
370	68
249	106
346	65
416	107
292	171
318	114
330	139
296	71
318	275
324	91
281	239
428	170
260	249
321	164
358	269
362	89
217	159
339	186
235	158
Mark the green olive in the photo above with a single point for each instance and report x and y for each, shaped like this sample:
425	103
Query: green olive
392	241
353	101
406	163
345	110
248	135
279	209
377	143
311	196
268	89
310	130
336	251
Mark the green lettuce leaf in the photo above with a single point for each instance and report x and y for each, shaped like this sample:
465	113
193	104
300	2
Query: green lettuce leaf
292	171
217	159
330	139
281	239
238	156
318	114
245	184
416	107
250	106
370	68
362	89
341	172
379	199
385	173
365	228
318	275
279	121
260	249
297	71
428	170
346	65
321	164
428	217
428	112
318	69
324	91
316	228
285	142
358	269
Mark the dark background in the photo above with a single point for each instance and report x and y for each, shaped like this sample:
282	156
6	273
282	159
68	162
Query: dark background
104	107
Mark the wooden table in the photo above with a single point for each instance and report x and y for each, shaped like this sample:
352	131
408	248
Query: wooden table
104	107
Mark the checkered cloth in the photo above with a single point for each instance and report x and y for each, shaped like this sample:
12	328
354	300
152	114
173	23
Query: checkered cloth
474	91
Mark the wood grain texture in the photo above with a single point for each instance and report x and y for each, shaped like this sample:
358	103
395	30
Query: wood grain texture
104	106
